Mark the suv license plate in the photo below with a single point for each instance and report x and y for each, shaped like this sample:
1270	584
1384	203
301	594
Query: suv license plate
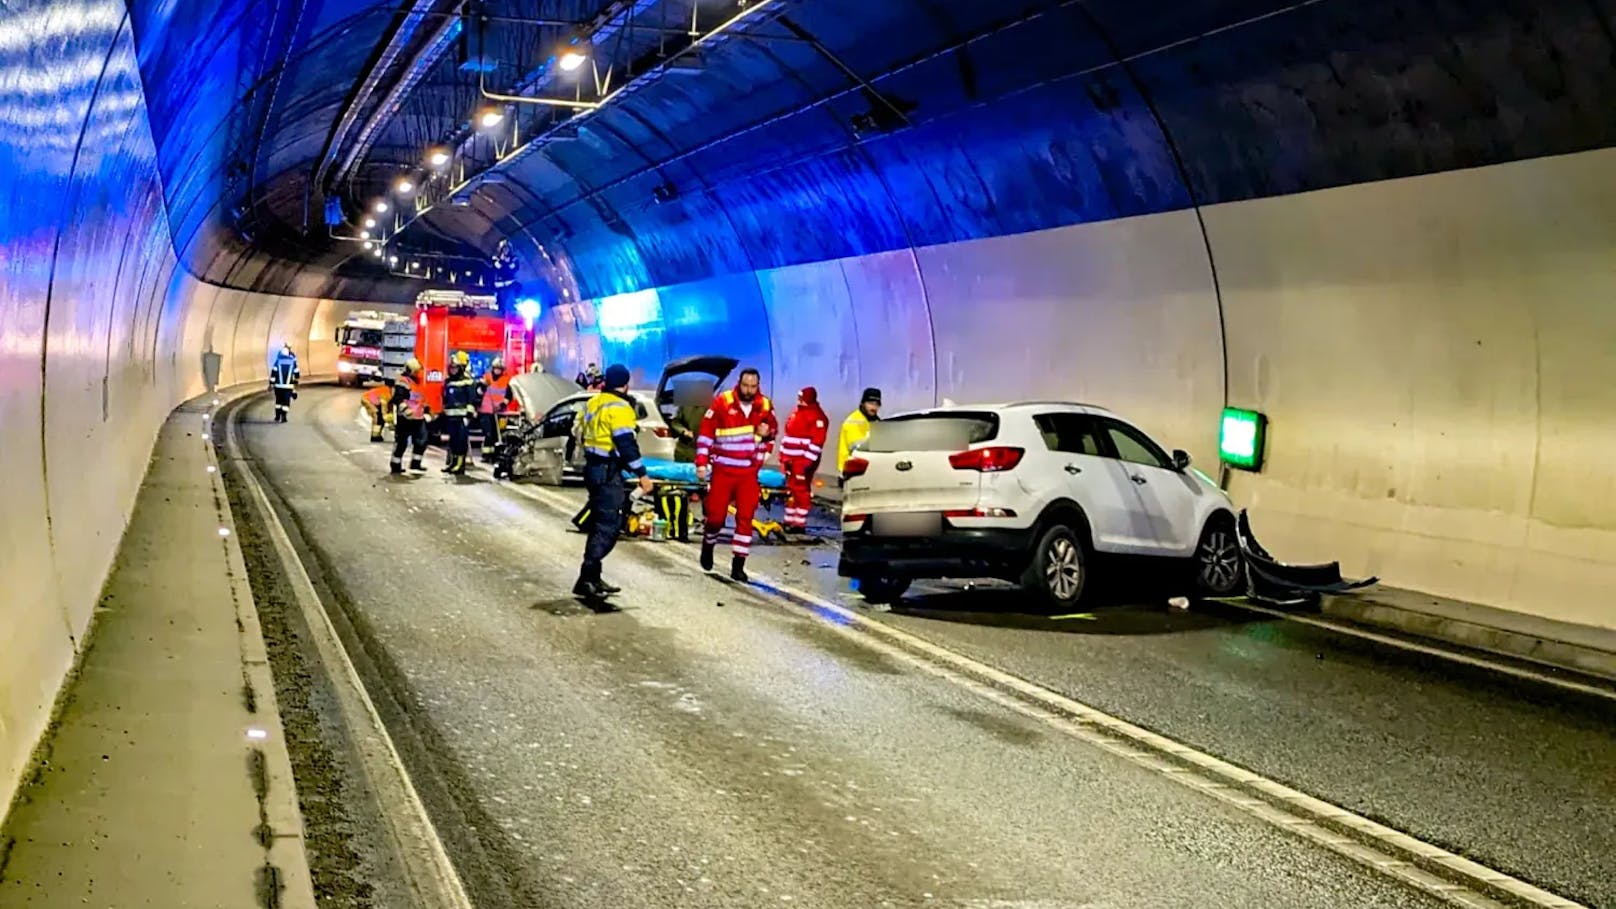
916	524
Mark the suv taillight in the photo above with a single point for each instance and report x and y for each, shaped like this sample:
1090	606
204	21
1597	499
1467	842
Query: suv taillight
854	467
986	460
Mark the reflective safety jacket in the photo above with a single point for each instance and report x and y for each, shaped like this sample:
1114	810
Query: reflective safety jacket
460	396
283	372
409	398
804	436
731	438
376	396
496	394
855	429
610	424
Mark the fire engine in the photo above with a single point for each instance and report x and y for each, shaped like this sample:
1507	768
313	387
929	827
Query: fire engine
450	320
373	346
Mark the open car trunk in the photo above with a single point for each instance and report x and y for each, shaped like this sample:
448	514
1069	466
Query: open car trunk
711	366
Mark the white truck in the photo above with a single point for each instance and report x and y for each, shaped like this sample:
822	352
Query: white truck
373	346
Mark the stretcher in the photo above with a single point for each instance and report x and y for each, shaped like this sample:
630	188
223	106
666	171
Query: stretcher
675	483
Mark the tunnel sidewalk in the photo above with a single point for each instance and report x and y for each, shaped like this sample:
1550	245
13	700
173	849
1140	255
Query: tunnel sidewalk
164	781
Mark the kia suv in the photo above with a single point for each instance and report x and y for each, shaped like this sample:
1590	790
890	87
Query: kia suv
1029	493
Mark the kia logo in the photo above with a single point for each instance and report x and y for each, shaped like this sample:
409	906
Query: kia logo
905	465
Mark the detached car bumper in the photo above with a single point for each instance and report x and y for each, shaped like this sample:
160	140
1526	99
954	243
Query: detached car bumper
955	553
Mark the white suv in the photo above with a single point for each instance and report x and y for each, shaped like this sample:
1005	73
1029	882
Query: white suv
1027	493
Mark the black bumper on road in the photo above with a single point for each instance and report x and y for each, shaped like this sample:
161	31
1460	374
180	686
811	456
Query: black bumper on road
957	553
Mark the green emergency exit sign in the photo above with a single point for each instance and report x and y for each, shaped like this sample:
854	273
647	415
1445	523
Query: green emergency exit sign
1241	438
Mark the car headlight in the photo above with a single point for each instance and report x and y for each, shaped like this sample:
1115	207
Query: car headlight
344	366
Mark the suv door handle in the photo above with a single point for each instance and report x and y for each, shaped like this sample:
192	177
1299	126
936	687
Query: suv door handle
1073	469
1137	479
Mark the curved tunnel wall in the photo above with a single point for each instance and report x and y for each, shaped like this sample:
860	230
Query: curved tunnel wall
1435	354
102	333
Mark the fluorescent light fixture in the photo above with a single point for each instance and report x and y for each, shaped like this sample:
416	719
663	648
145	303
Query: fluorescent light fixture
491	117
370	222
381	208
438	157
1241	438
365	235
571	59
404	186
392	260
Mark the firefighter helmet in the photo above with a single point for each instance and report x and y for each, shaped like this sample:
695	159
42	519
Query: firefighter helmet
412	365
497	364
461	358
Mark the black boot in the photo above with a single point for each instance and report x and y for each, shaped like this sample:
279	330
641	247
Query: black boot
416	465
737	569
607	588
398	469
707	557
589	590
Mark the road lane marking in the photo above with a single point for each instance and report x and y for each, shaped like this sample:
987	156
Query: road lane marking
420	848
1519	672
1428	868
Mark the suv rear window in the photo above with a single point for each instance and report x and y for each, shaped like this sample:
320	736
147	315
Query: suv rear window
955	430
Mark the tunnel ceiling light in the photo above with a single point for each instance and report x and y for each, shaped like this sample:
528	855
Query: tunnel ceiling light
1241	438
491	117
438	157
381	208
392	260
365	235
404	186
370	222
378	252
571	59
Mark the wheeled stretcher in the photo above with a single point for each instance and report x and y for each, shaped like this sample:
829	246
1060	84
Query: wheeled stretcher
676	484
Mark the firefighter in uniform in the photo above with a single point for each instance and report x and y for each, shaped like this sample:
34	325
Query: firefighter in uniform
459	407
493	394
376	402
410	417
735	439
856	428
283	379
802	443
610	448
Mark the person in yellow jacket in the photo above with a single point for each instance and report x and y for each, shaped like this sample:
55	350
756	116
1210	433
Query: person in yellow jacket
611	449
856	428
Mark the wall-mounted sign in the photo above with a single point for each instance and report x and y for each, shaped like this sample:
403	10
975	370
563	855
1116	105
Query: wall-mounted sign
1241	438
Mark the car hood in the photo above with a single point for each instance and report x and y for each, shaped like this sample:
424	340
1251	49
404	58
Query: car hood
537	392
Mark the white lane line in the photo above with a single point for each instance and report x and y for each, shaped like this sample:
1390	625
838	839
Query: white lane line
1430	650
1311	818
426	859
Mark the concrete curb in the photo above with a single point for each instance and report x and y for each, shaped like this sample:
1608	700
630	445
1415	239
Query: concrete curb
1558	645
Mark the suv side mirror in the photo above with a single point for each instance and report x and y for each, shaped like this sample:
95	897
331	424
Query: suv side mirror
1181	460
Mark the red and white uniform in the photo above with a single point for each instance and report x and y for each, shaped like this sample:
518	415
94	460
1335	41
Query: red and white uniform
735	439
802	443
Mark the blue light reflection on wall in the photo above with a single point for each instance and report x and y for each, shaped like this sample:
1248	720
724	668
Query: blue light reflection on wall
631	333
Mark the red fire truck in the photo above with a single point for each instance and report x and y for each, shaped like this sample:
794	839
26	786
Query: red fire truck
449	320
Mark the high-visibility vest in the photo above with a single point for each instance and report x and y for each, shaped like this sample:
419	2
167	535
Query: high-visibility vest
855	429
410	397
496	393
608	418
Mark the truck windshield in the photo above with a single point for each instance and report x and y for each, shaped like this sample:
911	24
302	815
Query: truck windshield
362	337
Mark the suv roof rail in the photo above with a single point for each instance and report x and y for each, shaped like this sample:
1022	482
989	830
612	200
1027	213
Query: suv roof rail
1057	404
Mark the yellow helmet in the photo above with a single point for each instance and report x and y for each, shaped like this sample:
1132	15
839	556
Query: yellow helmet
461	358
412	365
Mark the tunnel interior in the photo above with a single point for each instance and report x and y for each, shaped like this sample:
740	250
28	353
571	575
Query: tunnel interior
1385	224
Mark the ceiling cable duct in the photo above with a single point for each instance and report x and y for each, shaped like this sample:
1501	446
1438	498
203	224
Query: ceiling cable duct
423	62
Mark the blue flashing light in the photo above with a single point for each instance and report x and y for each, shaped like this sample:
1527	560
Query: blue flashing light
529	309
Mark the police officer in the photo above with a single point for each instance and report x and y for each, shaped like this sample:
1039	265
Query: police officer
610	448
459	409
283	379
412	413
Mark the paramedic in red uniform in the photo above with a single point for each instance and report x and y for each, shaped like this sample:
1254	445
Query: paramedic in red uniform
801	445
735	438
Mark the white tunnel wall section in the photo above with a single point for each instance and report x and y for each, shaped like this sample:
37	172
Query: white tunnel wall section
101	335
1437	355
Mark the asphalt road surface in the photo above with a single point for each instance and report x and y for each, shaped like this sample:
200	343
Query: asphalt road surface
709	746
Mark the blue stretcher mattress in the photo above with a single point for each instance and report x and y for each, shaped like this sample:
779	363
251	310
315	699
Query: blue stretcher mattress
674	472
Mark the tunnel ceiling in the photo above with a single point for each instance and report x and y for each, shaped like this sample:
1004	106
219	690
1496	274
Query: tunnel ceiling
739	137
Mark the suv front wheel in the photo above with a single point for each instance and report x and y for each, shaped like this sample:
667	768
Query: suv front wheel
1058	572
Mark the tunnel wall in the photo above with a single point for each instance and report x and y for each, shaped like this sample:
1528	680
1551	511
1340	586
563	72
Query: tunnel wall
1435	353
102	333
